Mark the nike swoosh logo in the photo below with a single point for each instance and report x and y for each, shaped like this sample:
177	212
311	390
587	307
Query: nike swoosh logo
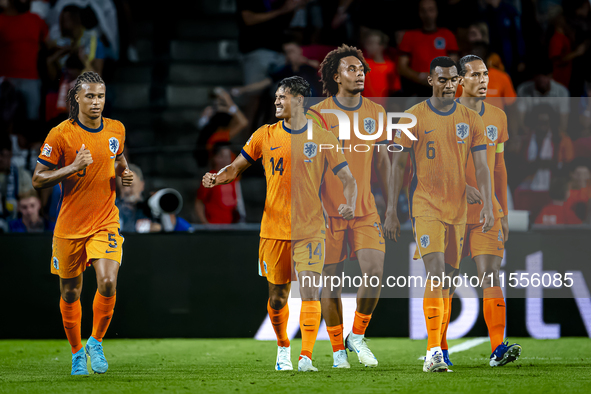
365	321
69	328
332	127
502	306
336	335
308	325
381	242
313	263
276	147
427	132
432	317
110	251
499	248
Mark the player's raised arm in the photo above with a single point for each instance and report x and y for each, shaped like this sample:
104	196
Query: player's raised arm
350	192
392	224
44	176
226	174
484	186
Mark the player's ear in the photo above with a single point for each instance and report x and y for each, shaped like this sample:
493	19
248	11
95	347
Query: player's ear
430	80
460	80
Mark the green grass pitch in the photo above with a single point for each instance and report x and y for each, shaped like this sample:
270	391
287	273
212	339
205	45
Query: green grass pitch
246	366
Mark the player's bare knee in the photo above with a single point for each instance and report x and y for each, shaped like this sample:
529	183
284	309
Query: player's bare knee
107	286
70	294
277	302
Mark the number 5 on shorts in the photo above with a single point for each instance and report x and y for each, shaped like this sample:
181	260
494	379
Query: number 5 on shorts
113	241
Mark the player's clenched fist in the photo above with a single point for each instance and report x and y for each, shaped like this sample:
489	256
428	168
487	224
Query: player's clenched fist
208	180
487	217
83	159
346	211
127	177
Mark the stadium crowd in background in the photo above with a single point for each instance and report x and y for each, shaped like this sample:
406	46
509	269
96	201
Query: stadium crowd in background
535	50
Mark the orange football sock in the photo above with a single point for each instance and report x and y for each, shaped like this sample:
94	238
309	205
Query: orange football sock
72	318
309	324
279	319
446	316
494	315
335	333
102	309
360	323
433	309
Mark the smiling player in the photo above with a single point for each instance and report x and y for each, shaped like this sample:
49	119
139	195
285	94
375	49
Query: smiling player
84	154
293	227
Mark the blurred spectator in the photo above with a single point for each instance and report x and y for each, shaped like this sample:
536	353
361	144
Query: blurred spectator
543	90
579	19
505	34
99	13
478	32
296	64
55	102
558	212
134	213
219	205
261	24
76	40
220	122
544	147
27	137
561	51
580	188
13	180
420	46
22	37
31	221
383	78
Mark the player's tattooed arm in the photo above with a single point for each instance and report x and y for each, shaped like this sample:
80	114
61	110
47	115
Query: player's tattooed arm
392	224
350	191
226	174
122	170
44	176
484	186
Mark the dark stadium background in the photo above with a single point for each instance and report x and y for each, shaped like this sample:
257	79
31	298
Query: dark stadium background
169	282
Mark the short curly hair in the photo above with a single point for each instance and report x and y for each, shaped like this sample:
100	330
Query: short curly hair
330	66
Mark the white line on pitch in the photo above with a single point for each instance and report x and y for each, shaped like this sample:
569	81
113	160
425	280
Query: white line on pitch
469	344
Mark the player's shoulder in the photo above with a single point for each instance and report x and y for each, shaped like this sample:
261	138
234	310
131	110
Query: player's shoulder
372	105
418	108
326	103
495	111
113	124
64	129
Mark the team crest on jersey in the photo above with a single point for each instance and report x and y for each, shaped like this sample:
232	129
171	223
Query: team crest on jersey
310	149
47	150
369	125
398	133
492	133
462	130
500	236
56	263
425	241
440	43
113	145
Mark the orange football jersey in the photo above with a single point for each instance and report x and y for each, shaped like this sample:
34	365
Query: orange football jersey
495	127
87	202
368	115
438	185
294	168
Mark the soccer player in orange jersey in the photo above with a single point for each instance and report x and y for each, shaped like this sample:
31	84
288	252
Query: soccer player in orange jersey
343	77
486	249
446	133
293	228
84	154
